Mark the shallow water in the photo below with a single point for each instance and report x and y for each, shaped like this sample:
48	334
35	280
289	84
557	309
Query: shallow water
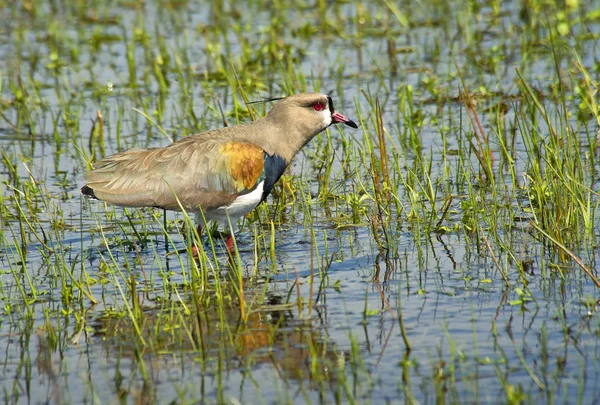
172	339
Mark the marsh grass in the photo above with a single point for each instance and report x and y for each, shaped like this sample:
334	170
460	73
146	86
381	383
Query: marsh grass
445	251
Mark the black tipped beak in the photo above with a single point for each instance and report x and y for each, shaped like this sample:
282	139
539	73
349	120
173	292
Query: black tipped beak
351	123
337	117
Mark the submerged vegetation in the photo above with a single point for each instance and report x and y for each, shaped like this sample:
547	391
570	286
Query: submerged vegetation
444	252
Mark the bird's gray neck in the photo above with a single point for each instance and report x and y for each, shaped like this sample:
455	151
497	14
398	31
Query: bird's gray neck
279	139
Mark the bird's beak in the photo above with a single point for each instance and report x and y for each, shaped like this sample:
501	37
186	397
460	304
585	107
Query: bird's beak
337	117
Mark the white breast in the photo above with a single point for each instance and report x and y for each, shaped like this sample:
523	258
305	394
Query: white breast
240	207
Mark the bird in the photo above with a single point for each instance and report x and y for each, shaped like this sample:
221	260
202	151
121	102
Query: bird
221	174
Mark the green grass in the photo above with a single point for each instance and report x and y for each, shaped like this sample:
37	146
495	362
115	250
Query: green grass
443	252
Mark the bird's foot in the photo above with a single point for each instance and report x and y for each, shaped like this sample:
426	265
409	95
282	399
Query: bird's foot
195	250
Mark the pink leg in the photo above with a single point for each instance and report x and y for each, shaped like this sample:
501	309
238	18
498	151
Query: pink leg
195	249
229	244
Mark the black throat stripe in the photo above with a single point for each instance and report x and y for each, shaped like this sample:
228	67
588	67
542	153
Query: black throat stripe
274	167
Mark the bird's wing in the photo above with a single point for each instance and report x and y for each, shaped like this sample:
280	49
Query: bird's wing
207	173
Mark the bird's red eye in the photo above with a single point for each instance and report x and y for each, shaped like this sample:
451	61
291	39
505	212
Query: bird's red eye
318	106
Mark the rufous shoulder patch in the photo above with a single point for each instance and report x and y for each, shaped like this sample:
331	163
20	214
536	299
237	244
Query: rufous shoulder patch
245	163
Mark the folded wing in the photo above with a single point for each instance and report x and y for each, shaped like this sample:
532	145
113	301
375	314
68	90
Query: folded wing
206	173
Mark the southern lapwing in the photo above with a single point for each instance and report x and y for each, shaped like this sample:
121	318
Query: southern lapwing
222	173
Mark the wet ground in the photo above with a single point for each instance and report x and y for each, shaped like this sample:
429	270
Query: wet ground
491	311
